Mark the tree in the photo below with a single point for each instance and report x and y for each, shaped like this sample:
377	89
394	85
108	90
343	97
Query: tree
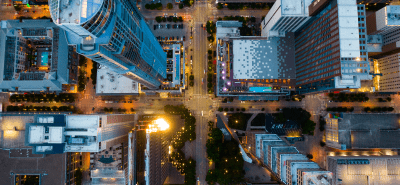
366	109
322	144
231	109
263	109
191	83
180	19
243	109
209	85
158	19
18	8
180	6
226	109
191	77
390	109
309	127
170	6
211	39
169	19
389	99
220	109
220	6
174	19
209	57
310	156
210	52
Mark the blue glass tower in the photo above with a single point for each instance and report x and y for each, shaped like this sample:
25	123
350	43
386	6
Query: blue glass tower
112	33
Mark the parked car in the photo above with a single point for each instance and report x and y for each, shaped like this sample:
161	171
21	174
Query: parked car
174	26
155	27
168	26
177	37
26	11
184	38
181	26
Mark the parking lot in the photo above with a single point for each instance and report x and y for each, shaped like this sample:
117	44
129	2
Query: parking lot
169	31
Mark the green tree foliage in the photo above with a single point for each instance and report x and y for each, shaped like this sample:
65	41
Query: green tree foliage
153	6
220	6
181	6
238	121
93	76
191	77
210	52
170	6
158	19
229	165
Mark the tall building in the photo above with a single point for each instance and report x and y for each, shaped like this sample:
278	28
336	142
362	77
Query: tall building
383	170
112	33
389	67
384	31
287	163
253	68
285	16
20	163
331	47
363	131
52	134
34	58
149	150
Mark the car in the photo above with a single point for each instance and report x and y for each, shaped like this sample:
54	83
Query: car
168	26
155	27
34	11
175	26
184	38
16	13
26	11
181	26
204	71
161	26
171	38
242	102
201	25
175	15
165	14
202	81
177	37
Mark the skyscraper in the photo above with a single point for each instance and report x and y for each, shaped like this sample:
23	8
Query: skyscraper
112	33
331	48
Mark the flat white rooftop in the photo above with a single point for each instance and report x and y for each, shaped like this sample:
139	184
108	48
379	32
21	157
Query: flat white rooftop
56	134
84	121
36	134
109	82
260	59
393	15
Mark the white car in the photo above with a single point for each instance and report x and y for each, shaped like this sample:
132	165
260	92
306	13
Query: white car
204	71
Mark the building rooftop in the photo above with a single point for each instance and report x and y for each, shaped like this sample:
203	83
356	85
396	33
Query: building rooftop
258	59
74	11
393	15
51	168
372	130
109	82
382	170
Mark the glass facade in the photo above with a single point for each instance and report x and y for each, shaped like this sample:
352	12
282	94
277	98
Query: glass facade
118	37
